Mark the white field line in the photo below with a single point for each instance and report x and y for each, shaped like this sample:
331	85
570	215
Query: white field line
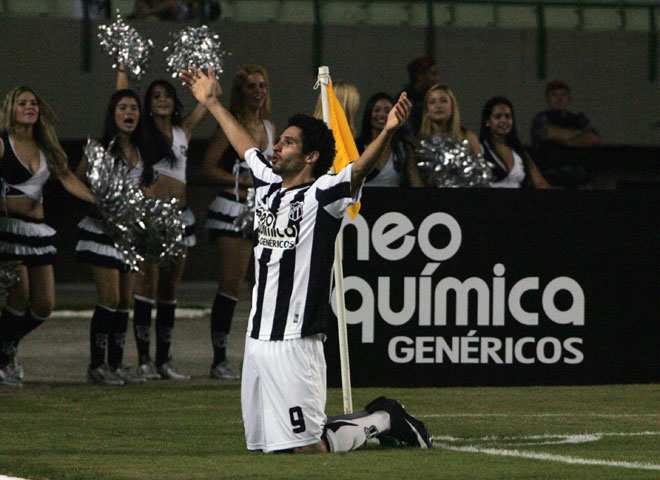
548	457
3	477
180	312
538	415
575	438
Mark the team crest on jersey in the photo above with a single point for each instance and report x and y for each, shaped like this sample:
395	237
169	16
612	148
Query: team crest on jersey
295	213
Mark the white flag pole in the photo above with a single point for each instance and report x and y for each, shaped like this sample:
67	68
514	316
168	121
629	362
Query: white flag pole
323	81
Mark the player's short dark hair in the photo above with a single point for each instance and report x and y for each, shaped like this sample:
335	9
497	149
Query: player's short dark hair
316	136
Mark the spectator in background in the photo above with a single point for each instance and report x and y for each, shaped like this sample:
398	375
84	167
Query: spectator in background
562	139
166	9
441	116
390	169
349	99
503	150
423	74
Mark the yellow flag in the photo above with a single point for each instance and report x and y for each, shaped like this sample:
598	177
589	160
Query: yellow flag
347	152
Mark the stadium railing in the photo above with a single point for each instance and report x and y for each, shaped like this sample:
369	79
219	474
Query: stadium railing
540	15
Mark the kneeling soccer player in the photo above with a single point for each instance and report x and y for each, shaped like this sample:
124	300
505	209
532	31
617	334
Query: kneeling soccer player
299	210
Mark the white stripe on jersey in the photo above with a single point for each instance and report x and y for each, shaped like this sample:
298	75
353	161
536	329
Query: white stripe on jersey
296	231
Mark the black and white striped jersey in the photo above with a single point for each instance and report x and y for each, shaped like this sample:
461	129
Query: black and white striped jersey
295	232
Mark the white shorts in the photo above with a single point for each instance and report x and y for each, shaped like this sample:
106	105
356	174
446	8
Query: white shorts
283	393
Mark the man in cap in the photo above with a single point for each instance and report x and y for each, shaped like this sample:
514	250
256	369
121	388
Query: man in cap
562	139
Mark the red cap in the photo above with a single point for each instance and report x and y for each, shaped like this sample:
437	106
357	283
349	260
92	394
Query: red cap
556	85
420	64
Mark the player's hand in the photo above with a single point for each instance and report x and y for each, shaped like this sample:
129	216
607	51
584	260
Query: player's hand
204	87
399	113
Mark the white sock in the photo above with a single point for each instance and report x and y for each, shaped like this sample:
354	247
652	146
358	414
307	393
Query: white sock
349	432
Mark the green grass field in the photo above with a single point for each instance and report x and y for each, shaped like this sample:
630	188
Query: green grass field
59	428
55	430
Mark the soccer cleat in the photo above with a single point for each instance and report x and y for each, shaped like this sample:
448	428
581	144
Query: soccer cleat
222	371
125	374
168	372
8	377
103	376
403	427
16	368
147	370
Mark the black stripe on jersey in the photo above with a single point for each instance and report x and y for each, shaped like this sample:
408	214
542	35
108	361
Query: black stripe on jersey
317	306
338	192
263	268
286	277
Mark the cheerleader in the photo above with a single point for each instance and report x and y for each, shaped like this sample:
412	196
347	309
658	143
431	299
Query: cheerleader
390	170
111	273
441	116
510	163
169	133
250	104
29	153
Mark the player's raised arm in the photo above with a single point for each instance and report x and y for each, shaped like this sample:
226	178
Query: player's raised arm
365	164
207	91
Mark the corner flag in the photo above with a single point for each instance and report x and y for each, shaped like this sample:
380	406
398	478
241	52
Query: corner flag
347	152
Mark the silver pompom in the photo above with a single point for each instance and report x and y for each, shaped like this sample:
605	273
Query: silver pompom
126	46
197	47
245	220
446	162
9	275
119	200
161	232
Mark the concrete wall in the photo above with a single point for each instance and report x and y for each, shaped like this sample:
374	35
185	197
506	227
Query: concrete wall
608	70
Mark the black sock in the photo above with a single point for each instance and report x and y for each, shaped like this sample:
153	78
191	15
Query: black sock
117	339
10	324
164	324
142	326
221	316
30	322
101	325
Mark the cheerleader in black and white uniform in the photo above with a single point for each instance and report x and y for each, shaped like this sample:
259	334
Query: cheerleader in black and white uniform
510	163
170	133
111	273
250	104
29	152
390	170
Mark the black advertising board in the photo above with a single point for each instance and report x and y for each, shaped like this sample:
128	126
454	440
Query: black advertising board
501	287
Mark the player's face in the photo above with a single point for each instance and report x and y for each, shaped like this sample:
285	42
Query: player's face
162	103
438	106
558	99
288	157
255	91
127	114
379	114
500	120
26	109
